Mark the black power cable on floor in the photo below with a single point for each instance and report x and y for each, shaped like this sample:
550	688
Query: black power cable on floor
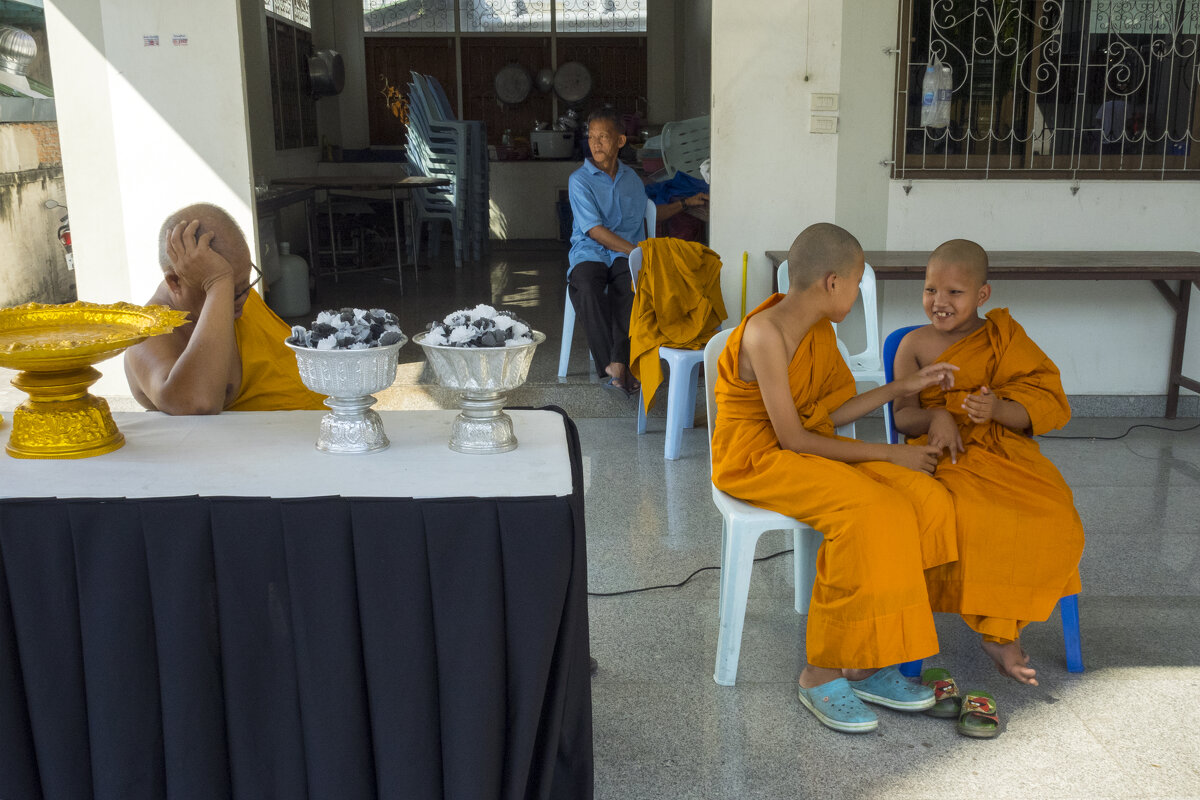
1126	433
1128	430
682	582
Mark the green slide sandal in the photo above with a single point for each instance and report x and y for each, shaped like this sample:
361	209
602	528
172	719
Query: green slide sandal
979	718
947	700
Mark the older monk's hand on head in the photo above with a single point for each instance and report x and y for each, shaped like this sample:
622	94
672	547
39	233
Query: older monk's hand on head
194	260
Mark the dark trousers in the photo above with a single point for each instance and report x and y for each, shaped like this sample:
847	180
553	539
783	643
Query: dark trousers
603	301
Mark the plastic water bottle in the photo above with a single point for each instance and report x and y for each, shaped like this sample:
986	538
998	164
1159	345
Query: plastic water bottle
929	89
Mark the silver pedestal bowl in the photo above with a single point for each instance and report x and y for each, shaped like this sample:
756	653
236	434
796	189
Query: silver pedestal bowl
483	375
349	378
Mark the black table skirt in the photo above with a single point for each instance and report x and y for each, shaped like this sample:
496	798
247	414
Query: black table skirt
287	649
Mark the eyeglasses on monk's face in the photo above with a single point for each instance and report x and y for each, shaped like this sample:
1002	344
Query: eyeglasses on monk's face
254	281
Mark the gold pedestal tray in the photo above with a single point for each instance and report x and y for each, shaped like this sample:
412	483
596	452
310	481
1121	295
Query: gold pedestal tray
54	348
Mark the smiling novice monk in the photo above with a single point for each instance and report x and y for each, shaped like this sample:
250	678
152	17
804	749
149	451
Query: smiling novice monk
781	389
1019	535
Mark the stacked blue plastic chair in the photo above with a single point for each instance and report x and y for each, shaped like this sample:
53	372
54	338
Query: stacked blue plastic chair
1068	607
441	146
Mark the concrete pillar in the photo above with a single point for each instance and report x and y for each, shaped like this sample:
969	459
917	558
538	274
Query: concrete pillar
148	123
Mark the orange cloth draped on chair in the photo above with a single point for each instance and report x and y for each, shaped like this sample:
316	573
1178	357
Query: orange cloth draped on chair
883	524
270	377
1019	535
678	304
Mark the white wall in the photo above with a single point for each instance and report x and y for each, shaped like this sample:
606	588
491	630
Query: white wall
145	130
1106	337
523	197
771	178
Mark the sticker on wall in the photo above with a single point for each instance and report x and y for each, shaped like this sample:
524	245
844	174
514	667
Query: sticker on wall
179	39
149	41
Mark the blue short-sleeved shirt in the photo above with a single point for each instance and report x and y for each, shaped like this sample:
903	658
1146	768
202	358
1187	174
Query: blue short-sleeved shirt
618	204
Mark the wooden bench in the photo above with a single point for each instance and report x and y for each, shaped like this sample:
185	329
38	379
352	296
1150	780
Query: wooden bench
1158	267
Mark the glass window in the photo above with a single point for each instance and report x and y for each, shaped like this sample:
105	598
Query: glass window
408	16
1034	87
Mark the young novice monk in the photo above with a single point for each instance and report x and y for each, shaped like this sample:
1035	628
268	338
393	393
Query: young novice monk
782	388
1019	536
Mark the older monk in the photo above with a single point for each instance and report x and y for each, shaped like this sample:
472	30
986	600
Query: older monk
230	356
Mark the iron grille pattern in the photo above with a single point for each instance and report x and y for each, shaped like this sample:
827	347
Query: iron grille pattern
504	16
1044	88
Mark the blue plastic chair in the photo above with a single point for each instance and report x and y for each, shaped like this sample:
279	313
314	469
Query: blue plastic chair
1068	607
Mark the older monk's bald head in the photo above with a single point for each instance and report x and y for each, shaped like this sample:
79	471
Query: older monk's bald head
966	255
819	250
228	239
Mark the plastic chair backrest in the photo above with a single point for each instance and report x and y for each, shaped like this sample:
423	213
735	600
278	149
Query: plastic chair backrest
869	358
635	257
867	291
890	345
685	145
712	352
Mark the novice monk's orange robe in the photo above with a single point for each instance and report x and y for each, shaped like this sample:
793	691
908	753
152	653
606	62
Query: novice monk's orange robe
270	377
1019	535
883	524
678	303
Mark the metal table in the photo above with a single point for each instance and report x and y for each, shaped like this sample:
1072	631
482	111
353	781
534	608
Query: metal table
395	185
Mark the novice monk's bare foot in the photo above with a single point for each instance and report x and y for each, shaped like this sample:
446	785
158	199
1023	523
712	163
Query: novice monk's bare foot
858	674
1011	660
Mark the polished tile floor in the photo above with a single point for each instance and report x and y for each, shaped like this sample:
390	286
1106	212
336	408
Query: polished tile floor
663	729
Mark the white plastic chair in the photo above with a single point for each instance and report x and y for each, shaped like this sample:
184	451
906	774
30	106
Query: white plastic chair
568	330
867	366
685	145
742	525
683	375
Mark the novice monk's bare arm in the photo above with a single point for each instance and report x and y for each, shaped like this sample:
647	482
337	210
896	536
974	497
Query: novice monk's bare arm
765	356
862	404
610	240
913	420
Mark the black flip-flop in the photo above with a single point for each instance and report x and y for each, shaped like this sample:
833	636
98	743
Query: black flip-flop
611	386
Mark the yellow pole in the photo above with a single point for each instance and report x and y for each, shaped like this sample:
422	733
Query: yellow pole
745	264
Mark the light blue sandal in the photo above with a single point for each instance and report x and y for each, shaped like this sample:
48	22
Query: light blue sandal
888	687
835	705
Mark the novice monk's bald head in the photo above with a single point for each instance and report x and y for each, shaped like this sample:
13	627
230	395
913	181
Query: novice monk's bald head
228	238
819	250
965	254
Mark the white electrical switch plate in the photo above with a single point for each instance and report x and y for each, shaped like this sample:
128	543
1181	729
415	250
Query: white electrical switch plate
823	124
824	102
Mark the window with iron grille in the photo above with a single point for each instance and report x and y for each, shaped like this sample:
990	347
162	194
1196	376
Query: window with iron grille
1048	88
464	43
289	45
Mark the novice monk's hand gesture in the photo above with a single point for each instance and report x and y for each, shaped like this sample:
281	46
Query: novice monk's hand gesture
944	435
918	457
939	374
981	406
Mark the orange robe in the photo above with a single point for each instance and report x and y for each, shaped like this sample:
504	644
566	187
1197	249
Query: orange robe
883	524
678	303
270	377
1019	535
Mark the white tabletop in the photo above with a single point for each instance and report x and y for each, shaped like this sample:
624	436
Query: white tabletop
273	454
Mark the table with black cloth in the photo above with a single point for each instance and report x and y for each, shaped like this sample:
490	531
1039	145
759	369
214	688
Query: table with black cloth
219	610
